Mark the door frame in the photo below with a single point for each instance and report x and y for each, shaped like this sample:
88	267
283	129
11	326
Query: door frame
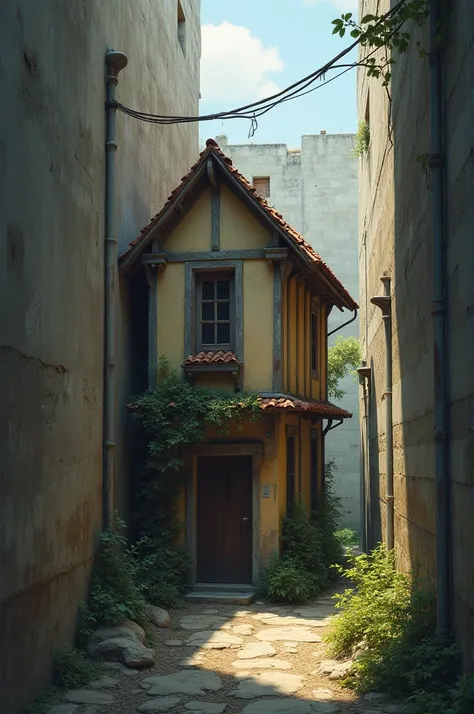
255	451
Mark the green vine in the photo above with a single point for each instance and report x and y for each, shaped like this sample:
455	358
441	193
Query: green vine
173	416
387	32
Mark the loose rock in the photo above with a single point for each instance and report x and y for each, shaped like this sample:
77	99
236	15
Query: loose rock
162	704
158	616
210	611
323	694
287	634
127	628
122	649
188	682
323	708
174	643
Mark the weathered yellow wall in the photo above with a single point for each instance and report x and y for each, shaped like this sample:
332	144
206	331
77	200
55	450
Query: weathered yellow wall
193	233
171	313
239	229
215	380
258	325
296	341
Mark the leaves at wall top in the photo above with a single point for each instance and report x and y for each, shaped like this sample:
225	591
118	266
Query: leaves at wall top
343	359
388	33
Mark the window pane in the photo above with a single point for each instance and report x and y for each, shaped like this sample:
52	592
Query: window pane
223	333
207	333
223	289
223	311
207	310
208	289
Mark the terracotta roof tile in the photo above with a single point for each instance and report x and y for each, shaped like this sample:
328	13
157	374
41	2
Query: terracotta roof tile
219	357
287	402
295	237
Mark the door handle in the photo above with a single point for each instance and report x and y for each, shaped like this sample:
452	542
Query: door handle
245	520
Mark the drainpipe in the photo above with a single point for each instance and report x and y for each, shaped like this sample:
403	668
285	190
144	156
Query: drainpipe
440	349
115	62
364	373
384	303
336	329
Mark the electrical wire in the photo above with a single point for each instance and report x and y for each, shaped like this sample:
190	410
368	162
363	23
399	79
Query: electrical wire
257	109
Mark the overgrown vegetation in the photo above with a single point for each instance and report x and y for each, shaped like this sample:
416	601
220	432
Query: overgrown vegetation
173	416
347	537
114	593
361	141
388	624
72	670
343	359
309	549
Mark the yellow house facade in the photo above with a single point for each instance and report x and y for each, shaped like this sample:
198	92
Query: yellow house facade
239	301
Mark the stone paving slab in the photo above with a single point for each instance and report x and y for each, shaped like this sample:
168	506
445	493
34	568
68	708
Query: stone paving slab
252	650
278	706
162	704
287	634
262	663
213	640
187	682
86	696
268	684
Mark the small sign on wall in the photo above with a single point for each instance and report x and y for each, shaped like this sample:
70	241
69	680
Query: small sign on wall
266	491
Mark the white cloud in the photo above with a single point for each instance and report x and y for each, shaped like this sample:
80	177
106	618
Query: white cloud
342	5
235	66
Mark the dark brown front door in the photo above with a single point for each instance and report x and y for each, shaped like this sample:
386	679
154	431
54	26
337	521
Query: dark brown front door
224	519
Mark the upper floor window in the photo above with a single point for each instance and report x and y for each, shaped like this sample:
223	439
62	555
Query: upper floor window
262	185
181	28
314	341
216	311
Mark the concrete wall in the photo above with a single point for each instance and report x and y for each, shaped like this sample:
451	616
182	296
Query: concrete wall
395	238
51	282
315	188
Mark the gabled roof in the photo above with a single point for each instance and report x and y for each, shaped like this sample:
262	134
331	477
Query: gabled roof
294	240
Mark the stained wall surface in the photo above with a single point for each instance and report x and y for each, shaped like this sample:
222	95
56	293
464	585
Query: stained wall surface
52	165
395	239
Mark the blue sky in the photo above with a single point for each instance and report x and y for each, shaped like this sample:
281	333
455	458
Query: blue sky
252	48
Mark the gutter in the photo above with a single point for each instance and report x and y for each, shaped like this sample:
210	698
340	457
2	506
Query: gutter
115	61
344	323
439	309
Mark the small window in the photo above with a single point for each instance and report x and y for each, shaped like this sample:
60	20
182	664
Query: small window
314	342
215	312
181	28
262	186
313	465
290	470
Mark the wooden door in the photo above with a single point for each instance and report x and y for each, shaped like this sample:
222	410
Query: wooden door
224	519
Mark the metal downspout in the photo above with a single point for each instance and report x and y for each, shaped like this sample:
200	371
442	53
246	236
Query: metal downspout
440	351
115	62
384	303
336	329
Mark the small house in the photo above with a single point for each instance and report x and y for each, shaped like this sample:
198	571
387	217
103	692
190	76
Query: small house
238	300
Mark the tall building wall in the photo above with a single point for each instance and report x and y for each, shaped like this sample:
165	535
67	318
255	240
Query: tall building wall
395	239
52	164
315	188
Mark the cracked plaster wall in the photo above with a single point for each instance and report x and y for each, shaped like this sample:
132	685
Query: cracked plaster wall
51	287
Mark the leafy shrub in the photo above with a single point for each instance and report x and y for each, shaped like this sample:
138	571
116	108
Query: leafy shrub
286	580
391	620
72	669
114	594
309	550
375	612
347	537
161	571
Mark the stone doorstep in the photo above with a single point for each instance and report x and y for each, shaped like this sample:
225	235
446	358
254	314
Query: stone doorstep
223	597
